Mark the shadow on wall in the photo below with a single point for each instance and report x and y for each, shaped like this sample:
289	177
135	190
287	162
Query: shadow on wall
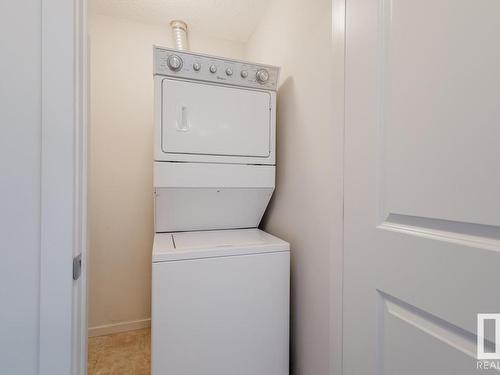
286	94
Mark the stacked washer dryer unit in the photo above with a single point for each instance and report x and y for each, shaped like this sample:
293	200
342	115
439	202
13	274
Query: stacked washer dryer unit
220	294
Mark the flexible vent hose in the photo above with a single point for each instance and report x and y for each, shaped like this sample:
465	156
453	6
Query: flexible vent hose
179	32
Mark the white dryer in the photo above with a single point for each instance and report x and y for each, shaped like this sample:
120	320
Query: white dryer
214	110
215	141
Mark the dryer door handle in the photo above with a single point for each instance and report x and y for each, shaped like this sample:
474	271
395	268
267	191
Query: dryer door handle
182	123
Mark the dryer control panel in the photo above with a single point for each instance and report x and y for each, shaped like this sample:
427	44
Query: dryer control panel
201	67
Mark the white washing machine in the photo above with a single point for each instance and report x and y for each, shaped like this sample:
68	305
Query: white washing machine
220	303
220	294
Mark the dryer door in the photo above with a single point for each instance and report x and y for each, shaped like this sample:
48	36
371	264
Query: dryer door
207	119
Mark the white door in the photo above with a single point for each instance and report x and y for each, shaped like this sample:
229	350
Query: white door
422	184
206	119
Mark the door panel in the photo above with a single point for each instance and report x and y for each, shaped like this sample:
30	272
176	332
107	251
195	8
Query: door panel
421	233
440	134
205	119
407	344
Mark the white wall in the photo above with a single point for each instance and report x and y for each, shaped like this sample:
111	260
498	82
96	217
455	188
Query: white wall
20	147
121	149
307	206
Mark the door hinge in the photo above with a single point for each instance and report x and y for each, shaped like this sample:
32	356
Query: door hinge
77	267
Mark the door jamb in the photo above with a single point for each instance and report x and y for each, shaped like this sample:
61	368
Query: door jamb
337	252
62	312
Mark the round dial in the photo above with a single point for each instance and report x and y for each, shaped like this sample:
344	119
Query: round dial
213	69
174	63
229	71
196	66
262	75
244	74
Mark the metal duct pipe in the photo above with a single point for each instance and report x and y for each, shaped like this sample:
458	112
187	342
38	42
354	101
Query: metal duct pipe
179	32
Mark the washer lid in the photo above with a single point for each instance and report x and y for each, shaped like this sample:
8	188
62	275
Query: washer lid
216	243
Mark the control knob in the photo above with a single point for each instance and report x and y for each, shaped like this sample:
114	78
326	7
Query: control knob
262	75
174	62
213	69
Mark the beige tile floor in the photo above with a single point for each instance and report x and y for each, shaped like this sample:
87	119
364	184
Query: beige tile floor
126	353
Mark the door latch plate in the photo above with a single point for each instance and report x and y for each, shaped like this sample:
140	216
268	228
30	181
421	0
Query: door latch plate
77	267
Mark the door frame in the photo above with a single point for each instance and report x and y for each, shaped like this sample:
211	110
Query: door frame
65	94
63	322
337	247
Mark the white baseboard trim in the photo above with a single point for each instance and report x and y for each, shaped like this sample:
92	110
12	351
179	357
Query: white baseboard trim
108	329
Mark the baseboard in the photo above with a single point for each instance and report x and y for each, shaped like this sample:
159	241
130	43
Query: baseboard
108	329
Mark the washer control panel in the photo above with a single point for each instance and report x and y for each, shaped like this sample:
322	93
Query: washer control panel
189	65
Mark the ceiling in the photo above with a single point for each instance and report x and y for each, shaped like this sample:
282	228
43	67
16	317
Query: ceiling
226	19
